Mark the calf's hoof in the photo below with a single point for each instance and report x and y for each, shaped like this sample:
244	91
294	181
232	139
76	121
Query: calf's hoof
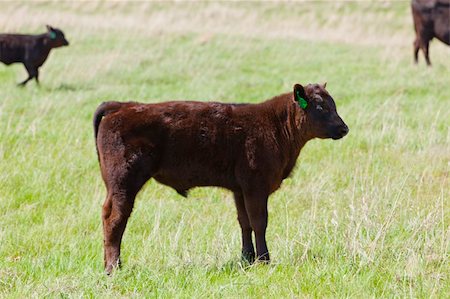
264	258
110	267
248	257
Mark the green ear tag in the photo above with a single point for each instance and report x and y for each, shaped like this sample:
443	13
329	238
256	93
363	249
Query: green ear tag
301	101
52	35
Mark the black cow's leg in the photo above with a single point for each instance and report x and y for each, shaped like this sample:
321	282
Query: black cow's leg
25	81
36	77
248	251
426	52
256	206
416	51
32	71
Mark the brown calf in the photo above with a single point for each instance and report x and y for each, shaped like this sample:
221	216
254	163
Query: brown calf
246	148
431	19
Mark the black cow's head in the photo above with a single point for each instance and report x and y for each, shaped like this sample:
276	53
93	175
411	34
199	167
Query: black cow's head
322	117
56	37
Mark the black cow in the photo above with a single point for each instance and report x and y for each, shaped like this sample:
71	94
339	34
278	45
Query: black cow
31	50
431	19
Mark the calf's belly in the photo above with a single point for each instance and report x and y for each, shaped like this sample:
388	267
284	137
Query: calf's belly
183	179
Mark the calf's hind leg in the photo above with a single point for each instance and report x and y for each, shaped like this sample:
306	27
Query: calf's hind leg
116	211
117	208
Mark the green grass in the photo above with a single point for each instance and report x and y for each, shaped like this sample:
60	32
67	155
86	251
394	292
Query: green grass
365	216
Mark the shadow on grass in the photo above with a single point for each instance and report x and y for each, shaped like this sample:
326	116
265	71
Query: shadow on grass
69	87
237	266
63	87
31	86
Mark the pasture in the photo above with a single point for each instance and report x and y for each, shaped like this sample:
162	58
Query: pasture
365	216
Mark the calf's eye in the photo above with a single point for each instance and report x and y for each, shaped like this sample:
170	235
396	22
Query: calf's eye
318	107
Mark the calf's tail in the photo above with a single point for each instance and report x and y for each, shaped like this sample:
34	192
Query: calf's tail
104	109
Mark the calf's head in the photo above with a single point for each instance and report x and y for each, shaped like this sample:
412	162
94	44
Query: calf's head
323	121
56	37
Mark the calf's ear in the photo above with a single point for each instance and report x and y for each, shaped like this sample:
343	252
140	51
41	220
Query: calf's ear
300	96
49	28
324	85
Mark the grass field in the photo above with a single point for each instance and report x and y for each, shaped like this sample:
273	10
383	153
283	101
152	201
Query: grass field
365	216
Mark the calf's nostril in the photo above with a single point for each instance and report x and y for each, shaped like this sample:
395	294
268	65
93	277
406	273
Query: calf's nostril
344	130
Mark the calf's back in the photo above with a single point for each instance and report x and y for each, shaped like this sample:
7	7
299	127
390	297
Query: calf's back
189	144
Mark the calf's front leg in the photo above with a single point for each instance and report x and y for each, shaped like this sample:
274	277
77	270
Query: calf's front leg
256	206
248	251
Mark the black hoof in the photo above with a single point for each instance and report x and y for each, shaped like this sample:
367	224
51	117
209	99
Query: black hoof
248	257
264	258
